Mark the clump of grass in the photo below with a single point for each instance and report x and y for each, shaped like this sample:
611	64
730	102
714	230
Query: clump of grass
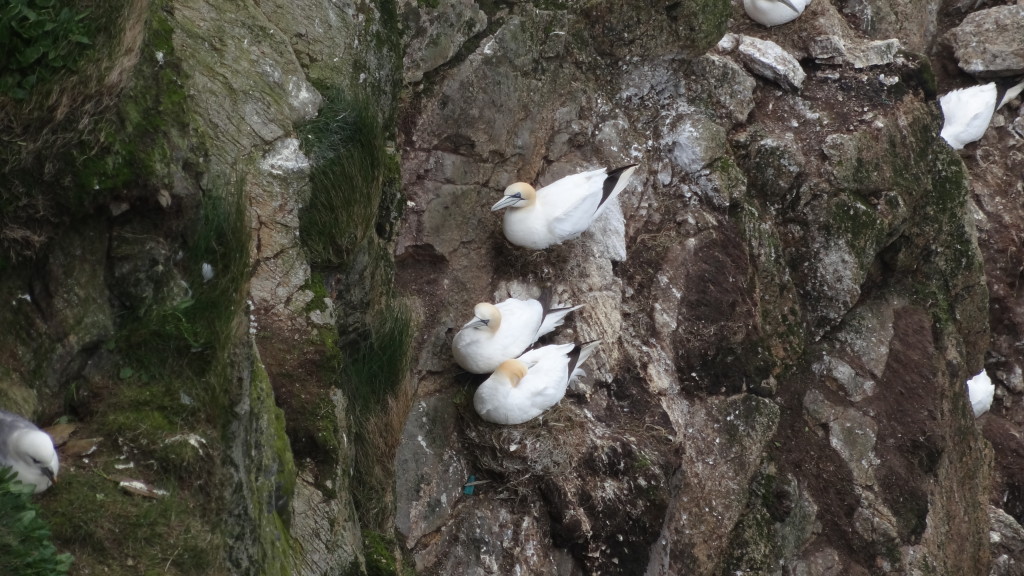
372	376
25	545
99	522
346	145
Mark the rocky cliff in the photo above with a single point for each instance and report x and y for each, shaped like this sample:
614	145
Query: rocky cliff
239	237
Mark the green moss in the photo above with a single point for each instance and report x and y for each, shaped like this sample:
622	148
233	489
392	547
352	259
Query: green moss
96	520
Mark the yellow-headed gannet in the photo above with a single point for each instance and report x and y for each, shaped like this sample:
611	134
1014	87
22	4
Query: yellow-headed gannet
967	112
523	388
28	451
502	331
561	210
774	12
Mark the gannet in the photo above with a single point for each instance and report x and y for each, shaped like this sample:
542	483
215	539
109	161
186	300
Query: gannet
980	390
523	388
502	331
28	451
774	12
561	210
967	112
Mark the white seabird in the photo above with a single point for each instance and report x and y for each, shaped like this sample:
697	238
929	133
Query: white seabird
980	390
561	210
967	112
774	12
498	332
523	388
28	451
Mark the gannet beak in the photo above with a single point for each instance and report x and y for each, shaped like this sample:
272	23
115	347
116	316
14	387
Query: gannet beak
790	4
49	474
476	323
507	201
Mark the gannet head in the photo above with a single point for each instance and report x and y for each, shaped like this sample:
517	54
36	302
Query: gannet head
485	315
518	195
35	459
511	371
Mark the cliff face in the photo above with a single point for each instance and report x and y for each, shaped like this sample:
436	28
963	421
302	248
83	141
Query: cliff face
790	295
789	301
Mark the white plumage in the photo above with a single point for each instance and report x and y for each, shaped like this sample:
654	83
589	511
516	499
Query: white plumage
499	332
967	112
980	390
561	210
522	389
774	12
28	451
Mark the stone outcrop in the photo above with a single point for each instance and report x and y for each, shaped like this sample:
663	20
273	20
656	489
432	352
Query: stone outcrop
990	42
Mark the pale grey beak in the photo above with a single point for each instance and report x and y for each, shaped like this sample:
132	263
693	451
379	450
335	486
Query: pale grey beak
507	201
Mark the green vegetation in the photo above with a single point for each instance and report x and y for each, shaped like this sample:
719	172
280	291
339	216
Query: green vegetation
39	40
25	546
112	532
346	146
346	225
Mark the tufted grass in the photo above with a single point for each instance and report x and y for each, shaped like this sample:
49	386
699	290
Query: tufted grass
350	166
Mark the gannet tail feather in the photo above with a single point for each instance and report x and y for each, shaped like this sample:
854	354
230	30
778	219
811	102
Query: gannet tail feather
616	181
1009	93
579	355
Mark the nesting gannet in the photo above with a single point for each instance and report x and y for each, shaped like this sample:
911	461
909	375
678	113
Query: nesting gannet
28	451
774	12
523	388
980	390
561	210
498	332
967	112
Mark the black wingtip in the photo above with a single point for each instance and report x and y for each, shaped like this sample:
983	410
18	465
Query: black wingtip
611	180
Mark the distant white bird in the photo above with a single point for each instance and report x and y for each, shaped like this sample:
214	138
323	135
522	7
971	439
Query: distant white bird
967	112
499	332
980	390
522	389
561	210
28	451
774	12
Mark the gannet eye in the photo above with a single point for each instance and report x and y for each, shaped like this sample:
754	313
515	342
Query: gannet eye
36	461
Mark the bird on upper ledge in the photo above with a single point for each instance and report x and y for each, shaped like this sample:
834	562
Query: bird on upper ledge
560	211
967	112
774	12
28	451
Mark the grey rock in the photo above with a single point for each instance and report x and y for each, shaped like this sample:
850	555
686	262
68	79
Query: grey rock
990	42
428	472
434	34
81	317
831	49
327	523
823	562
771	62
845	378
1006	537
710	491
693	141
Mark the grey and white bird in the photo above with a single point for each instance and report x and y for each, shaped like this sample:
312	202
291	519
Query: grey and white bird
774	12
28	451
560	211
523	388
967	112
501	331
